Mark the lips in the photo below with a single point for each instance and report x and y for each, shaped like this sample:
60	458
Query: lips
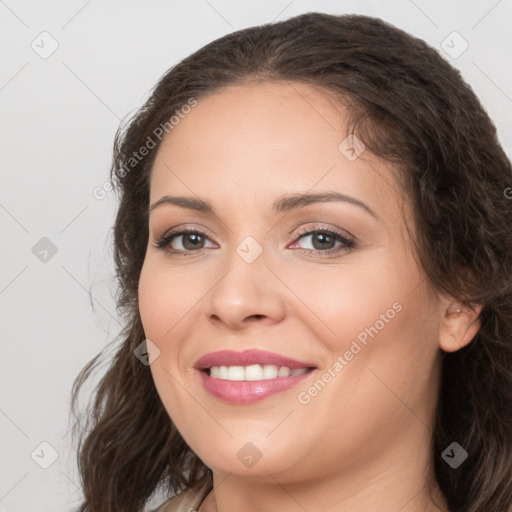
248	357
243	391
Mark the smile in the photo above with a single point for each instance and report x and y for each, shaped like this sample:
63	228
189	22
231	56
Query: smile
249	376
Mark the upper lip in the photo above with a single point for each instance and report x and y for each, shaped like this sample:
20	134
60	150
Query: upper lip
246	358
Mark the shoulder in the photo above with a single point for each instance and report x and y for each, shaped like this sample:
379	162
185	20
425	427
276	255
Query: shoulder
186	501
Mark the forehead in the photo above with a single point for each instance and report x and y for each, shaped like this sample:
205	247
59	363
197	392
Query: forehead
271	116
249	142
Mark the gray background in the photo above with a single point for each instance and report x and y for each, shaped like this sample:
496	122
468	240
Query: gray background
59	113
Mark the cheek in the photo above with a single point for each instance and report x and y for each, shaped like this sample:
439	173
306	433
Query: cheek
164	300
152	297
165	297
346	304
385	334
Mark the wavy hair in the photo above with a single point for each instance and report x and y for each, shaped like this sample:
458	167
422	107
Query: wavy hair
410	107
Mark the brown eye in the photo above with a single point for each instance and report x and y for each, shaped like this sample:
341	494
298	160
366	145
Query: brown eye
191	241
183	241
324	241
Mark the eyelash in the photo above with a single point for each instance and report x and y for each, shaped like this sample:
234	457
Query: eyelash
348	243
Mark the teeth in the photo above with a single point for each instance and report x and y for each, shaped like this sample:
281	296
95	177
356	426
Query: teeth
284	372
270	371
236	372
223	372
253	372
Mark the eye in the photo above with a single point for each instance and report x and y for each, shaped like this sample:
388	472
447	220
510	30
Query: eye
184	241
324	241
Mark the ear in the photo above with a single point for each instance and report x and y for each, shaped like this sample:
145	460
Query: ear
458	325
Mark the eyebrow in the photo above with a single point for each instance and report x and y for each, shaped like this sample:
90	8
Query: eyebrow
285	203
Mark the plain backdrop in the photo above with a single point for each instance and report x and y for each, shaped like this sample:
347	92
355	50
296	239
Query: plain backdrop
70	71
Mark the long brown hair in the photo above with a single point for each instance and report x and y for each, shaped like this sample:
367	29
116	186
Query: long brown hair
409	106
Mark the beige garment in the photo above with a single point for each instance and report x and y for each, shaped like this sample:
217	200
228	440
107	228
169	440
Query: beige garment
188	500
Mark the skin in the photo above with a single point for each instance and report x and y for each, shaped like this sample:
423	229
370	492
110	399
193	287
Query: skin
362	443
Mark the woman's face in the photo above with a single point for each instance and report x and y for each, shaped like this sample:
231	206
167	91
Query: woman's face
360	311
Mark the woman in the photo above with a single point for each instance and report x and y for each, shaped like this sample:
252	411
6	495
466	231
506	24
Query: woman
313	250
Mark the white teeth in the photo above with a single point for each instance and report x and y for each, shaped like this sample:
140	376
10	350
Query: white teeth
223	372
253	372
270	371
236	373
284	371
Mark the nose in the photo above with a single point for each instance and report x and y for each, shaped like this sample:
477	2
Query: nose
247	293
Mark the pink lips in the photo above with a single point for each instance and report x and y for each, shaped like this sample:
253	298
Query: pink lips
245	392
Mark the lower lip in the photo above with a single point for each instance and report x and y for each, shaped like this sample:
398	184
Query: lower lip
245	391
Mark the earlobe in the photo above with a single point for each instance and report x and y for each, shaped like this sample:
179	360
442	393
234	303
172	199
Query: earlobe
458	326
